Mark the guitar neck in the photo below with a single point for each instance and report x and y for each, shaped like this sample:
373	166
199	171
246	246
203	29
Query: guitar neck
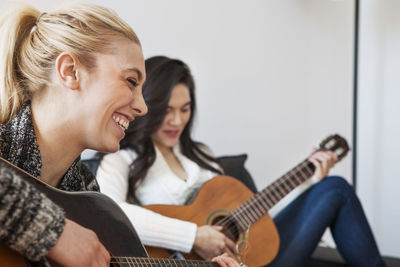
140	261
254	208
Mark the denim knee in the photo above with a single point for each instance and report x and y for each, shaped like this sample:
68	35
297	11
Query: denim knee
336	183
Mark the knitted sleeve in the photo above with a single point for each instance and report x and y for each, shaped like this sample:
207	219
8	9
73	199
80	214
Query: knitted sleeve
30	223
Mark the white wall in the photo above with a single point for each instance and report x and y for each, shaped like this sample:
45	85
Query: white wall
274	77
379	123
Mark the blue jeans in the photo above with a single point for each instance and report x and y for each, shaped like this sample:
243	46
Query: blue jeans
330	203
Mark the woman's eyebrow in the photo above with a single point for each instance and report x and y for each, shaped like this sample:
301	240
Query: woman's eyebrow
187	103
184	105
139	73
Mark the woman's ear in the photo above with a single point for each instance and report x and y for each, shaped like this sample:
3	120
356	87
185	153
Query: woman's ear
66	69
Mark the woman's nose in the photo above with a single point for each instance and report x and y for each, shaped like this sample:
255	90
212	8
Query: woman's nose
138	104
176	119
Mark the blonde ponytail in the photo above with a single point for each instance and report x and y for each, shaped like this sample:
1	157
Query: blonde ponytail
30	42
15	26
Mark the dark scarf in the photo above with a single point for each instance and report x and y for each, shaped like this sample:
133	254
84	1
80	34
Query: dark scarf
19	146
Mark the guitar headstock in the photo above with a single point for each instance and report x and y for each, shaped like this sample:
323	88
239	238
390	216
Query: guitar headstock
336	144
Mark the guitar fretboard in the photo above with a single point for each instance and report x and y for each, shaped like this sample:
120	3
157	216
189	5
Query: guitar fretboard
254	208
139	262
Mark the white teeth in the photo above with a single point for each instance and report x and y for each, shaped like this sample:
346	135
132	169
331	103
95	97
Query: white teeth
121	122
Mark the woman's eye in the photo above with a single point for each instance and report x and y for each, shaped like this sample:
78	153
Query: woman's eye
133	82
185	110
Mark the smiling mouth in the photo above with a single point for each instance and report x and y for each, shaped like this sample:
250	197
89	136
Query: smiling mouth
121	122
172	133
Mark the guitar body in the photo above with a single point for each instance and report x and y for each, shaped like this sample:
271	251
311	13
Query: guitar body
92	210
102	215
257	246
10	257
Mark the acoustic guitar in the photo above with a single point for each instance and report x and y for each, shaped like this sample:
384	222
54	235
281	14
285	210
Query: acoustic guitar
98	212
244	216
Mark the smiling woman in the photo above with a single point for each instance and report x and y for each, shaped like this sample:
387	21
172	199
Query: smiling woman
112	95
64	76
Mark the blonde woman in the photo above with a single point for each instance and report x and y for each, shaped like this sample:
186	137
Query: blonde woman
69	80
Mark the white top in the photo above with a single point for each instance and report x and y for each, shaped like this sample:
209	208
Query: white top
161	186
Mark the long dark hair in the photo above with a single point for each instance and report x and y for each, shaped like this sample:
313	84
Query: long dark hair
163	74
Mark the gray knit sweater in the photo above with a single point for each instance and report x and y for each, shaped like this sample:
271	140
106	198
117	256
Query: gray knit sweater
29	222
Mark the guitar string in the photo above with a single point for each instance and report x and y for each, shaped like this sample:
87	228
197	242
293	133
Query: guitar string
273	189
247	207
158	262
240	214
269	190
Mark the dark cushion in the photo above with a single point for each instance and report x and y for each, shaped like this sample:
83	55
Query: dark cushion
234	166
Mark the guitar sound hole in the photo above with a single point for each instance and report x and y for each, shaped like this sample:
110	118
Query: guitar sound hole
230	229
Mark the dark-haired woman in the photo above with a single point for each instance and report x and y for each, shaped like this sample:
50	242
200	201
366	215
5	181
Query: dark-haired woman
159	163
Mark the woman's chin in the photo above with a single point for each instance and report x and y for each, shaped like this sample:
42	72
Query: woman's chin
113	150
109	148
172	144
